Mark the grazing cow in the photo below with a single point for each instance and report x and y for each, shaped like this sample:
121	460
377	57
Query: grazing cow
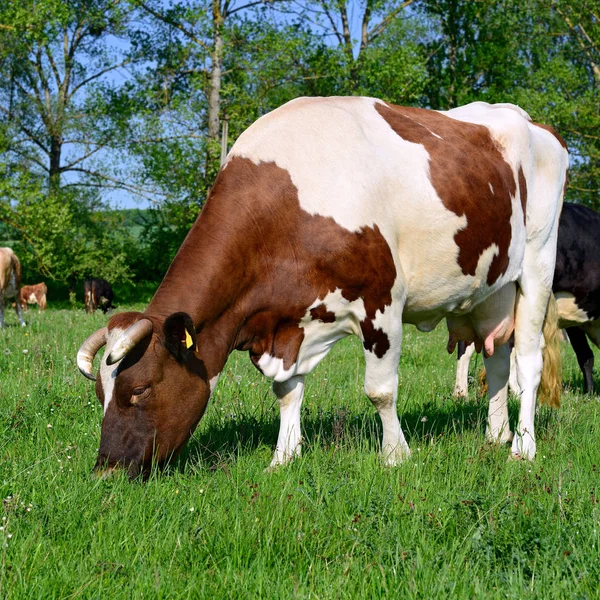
10	282
576	288
97	294
339	216
34	294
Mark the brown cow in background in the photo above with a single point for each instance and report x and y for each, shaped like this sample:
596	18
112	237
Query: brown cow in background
10	282
34	294
97	294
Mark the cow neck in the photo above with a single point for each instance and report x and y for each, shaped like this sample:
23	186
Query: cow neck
210	280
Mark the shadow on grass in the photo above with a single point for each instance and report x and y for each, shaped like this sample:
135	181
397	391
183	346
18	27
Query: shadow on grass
223	443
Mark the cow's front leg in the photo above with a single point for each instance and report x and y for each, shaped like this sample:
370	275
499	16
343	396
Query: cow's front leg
290	394
464	354
381	386
1	310
497	369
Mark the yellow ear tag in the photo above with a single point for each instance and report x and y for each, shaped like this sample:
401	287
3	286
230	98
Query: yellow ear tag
188	340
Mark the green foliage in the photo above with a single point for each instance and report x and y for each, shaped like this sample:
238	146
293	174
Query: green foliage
544	56
63	236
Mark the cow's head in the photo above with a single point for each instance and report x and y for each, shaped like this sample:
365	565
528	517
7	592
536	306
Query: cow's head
153	387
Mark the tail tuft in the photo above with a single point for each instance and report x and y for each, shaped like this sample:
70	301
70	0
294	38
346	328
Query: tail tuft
551	382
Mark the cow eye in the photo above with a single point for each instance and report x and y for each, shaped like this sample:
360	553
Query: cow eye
139	393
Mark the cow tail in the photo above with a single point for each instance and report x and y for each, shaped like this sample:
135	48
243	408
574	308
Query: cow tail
551	381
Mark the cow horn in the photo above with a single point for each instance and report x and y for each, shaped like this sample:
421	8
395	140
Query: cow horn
89	349
129	339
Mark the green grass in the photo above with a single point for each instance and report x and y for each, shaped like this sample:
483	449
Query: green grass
457	520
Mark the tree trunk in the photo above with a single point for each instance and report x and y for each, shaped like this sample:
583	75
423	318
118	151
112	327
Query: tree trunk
214	95
55	154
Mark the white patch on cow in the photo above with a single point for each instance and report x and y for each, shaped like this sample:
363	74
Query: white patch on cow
319	337
569	314
491	187
31	299
108	373
272	367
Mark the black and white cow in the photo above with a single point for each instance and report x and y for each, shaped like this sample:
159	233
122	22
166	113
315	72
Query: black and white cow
576	283
576	287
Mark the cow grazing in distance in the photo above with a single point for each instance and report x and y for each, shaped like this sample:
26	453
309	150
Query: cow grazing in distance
576	283
10	282
339	216
576	287
34	294
97	293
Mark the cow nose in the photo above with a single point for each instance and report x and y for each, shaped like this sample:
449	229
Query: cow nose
104	473
106	469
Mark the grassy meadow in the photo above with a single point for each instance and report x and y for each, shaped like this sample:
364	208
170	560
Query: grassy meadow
456	521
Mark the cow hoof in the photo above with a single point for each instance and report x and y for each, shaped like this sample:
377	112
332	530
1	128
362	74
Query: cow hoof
395	456
523	447
281	459
512	457
504	436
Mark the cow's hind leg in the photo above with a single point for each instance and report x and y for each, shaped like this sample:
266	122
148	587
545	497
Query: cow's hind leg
381	386
497	368
585	357
290	394
1	309
530	314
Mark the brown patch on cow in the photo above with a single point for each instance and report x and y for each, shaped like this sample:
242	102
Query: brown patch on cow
464	161
320	313
523	193
554	133
376	340
272	260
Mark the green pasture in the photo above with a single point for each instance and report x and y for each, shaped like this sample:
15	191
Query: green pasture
458	520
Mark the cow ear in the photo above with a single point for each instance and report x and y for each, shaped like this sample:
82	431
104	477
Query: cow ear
180	335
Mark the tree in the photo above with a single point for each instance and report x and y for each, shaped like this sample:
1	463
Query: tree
62	110
370	47
56	91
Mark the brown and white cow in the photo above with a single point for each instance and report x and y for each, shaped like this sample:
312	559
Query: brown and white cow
340	216
10	282
34	294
